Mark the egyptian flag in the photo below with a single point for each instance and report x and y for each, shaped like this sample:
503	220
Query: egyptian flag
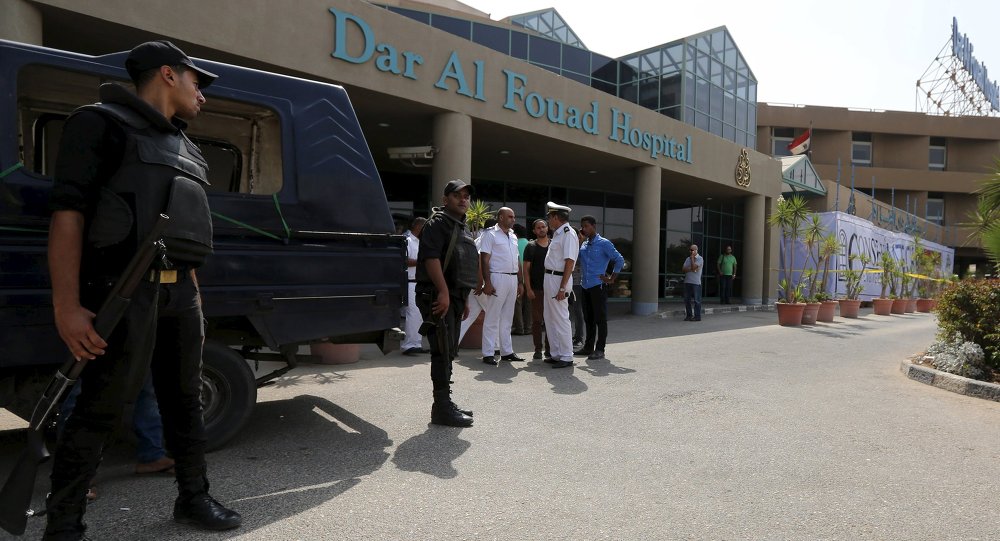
801	143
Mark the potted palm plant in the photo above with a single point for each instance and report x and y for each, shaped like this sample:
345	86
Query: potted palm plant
789	214
883	304
828	248
812	236
851	303
475	218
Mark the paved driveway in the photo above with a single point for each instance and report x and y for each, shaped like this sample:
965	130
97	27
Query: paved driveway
732	428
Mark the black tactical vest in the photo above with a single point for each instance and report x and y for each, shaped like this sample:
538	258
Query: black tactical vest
161	172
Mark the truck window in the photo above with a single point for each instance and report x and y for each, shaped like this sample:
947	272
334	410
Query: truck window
241	141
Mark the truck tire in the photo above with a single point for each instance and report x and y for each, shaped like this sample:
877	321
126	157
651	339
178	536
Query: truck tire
228	393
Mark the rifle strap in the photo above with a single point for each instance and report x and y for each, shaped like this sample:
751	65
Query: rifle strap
451	248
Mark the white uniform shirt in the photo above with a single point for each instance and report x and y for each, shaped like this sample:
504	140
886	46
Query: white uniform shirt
502	248
565	245
412	248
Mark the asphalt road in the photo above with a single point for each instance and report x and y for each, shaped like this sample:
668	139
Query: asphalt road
732	428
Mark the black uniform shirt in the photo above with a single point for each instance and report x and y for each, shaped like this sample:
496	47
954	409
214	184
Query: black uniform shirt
90	152
434	240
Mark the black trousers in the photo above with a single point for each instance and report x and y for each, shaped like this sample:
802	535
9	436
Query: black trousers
163	329
595	314
725	288
450	326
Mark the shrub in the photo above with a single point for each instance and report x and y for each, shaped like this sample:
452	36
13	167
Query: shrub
956	356
971	308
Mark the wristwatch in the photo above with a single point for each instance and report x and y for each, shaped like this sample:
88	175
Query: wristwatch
563	289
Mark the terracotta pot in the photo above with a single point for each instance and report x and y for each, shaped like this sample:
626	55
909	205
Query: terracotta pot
473	338
933	304
827	310
911	306
924	305
336	353
810	313
850	307
882	307
790	315
898	306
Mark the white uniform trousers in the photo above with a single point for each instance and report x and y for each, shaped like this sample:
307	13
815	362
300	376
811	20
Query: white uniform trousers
499	314
557	324
413	320
475	306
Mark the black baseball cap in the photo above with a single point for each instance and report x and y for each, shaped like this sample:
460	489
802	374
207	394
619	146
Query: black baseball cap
153	54
458	184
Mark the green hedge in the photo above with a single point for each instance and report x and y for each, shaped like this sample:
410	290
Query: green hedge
972	308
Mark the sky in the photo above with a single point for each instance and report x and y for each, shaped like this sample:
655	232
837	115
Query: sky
865	54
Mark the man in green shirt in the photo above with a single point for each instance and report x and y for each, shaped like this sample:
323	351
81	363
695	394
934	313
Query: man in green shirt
726	265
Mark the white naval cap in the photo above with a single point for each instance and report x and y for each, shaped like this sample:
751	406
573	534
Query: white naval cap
552	207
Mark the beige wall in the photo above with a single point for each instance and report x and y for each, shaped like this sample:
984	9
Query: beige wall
900	151
299	36
20	21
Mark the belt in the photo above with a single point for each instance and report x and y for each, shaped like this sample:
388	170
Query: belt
557	273
508	273
167	276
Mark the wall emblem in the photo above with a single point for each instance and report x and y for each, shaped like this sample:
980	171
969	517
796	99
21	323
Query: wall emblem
743	169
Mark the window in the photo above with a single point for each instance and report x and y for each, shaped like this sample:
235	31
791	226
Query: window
938	155
935	208
780	140
861	149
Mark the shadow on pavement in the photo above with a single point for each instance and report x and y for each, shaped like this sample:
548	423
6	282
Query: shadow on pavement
432	452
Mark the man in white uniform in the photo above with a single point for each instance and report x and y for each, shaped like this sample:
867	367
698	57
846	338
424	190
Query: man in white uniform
412	344
559	262
498	259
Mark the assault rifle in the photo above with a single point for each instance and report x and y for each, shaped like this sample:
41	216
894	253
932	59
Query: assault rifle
15	496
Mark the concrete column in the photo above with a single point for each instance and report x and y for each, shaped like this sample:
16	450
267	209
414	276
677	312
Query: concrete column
21	21
753	267
772	242
453	139
646	241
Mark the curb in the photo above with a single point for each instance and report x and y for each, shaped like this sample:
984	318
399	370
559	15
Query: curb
705	311
951	382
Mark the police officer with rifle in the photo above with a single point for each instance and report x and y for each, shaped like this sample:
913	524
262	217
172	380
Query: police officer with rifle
121	163
447	269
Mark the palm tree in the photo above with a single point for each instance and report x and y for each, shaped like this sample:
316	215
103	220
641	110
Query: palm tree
789	215
985	221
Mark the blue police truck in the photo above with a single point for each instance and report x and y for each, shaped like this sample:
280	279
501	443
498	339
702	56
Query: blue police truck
305	245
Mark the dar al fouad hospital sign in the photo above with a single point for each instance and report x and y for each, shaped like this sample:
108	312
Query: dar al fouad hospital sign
467	79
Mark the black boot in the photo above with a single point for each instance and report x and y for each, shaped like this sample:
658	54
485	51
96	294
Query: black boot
444	411
454	405
195	506
65	521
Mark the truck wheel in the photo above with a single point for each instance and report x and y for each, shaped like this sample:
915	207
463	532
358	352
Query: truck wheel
228	393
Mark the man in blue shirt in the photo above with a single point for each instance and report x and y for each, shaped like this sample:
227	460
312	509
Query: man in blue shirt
595	255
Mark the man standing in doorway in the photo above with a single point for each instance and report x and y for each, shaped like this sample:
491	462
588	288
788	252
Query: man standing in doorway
692	284
726	265
595	255
412	344
447	269
559	262
498	258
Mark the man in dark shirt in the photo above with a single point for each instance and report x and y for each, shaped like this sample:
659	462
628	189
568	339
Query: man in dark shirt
100	178
534	280
447	269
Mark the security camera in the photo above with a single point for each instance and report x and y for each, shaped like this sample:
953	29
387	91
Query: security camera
412	153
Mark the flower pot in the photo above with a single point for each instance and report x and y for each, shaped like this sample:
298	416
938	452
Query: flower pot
827	310
473	338
882	307
898	306
850	307
933	304
336	353
924	305
790	315
810	313
911	306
